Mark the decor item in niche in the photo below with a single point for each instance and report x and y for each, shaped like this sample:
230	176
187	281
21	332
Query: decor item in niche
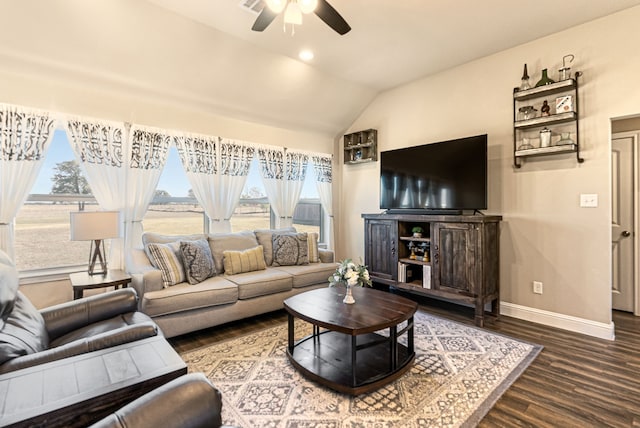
564	104
545	137
527	112
524	84
545	110
544	80
526	144
565	138
412	248
351	275
417	232
357	155
565	72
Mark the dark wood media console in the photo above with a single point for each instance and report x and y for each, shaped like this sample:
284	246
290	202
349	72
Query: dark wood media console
457	256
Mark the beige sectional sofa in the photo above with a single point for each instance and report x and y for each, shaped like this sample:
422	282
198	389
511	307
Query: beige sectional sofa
185	307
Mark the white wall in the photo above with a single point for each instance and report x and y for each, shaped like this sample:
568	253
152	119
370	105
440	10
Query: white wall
545	235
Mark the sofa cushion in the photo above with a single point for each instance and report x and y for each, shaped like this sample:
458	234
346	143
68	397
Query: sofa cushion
250	260
312	241
265	236
197	260
290	249
183	297
221	242
158	238
168	259
305	275
23	332
261	283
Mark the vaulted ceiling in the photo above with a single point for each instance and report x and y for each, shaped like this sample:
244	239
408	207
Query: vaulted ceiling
202	53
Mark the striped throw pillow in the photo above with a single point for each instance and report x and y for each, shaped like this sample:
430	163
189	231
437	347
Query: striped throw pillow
244	261
167	258
312	242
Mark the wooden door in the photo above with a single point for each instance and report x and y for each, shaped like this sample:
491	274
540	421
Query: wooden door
622	222
455	259
381	255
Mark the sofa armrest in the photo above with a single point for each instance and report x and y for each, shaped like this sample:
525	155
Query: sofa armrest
144	276
188	401
326	256
66	317
104	340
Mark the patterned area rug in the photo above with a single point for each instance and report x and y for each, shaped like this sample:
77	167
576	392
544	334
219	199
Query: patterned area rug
458	374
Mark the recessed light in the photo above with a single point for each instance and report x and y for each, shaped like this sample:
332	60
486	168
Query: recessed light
305	55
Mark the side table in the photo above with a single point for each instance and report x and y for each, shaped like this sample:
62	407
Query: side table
81	281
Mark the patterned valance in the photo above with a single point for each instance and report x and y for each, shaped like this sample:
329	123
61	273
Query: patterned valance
23	133
99	143
323	167
197	153
149	148
235	158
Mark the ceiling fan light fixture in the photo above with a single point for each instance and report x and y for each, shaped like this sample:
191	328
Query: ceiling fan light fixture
293	14
307	6
277	6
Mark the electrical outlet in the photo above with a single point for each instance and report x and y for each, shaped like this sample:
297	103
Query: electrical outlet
589	200
537	287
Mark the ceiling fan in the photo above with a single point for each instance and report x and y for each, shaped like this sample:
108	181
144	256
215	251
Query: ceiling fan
293	10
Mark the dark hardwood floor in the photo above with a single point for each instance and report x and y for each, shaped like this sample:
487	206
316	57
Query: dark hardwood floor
576	381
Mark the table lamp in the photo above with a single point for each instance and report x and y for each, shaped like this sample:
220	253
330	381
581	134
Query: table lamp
95	226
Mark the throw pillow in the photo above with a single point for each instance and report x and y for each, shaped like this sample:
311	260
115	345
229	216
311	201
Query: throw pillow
244	261
265	238
167	258
197	260
158	238
237	241
312	241
290	249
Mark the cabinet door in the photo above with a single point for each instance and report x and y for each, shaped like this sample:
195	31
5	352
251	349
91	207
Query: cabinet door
456	254
381	255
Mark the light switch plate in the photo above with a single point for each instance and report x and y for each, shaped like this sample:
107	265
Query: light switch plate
589	200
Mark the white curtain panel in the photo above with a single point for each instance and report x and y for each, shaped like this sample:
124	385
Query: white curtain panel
283	173
198	157
234	159
25	136
101	148
146	160
324	172
217	170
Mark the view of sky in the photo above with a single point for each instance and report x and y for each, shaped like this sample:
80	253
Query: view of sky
173	178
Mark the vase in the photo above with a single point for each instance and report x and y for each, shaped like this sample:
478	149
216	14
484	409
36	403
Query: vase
545	80
348	298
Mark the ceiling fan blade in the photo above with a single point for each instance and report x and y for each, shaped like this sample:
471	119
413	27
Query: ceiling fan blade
265	18
331	17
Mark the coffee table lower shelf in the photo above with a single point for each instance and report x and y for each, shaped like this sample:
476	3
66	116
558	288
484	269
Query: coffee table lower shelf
351	364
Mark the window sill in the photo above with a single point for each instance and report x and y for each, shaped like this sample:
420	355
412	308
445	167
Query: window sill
35	276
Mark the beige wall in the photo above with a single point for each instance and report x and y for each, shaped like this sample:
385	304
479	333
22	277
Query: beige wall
545	235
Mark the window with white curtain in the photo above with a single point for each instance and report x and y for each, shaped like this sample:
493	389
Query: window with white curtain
174	209
42	224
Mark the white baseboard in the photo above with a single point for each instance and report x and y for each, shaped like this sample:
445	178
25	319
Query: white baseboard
553	319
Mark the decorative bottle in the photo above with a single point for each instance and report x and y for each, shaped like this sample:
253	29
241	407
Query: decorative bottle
524	85
545	80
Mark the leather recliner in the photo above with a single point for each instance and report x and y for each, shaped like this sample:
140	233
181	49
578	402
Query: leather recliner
29	337
189	401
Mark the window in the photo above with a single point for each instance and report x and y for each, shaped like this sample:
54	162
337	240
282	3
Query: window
174	209
42	224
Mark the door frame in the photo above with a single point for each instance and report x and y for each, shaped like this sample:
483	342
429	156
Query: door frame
635	136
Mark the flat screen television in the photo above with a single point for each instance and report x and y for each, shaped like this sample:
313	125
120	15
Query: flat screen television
448	177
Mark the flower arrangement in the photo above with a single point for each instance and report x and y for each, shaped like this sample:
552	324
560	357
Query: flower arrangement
351	274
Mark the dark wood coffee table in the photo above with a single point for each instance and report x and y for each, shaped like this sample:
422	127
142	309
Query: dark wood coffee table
78	391
351	355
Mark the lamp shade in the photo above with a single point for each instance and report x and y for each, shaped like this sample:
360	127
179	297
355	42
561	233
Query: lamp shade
92	225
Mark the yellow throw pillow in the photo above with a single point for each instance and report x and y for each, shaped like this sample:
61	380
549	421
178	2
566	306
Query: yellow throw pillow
244	261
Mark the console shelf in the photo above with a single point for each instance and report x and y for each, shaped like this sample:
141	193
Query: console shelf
463	257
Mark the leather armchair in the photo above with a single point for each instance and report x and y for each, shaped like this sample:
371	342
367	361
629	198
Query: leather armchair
189	401
29	337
